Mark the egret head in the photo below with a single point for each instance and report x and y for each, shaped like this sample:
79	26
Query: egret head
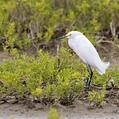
71	34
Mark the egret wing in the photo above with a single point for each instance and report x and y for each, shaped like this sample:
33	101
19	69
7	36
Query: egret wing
84	49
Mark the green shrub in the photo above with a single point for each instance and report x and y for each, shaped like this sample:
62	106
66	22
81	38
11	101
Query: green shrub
51	78
97	97
111	74
53	114
24	23
44	76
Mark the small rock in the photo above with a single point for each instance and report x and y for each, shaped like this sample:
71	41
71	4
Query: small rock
31	98
11	99
2	102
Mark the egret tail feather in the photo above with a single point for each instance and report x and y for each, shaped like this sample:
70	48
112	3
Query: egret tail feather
104	66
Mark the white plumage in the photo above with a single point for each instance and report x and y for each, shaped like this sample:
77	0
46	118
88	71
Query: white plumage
86	51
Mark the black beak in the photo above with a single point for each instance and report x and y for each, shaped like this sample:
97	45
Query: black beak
59	38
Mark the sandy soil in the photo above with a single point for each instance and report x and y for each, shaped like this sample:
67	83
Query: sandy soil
80	111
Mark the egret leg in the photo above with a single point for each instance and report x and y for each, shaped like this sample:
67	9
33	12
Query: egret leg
90	75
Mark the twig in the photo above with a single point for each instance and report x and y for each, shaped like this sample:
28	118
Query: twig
104	41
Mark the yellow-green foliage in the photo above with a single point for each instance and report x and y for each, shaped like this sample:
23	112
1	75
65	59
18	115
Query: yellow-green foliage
39	18
53	114
111	74
56	78
43	76
10	35
97	97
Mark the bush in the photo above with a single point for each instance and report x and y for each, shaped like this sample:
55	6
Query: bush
27	23
53	114
111	76
97	97
49	79
46	77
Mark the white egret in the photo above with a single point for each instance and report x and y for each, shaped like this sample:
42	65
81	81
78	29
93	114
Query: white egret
87	53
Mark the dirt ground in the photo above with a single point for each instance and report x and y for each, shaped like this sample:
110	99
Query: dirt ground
78	111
